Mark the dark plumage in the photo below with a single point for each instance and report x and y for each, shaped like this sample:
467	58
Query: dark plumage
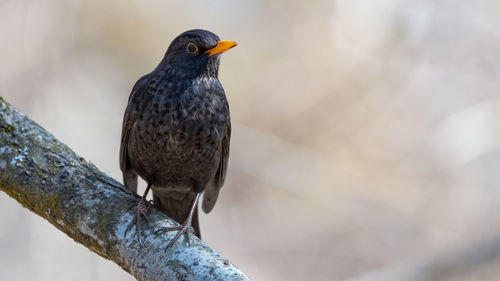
176	129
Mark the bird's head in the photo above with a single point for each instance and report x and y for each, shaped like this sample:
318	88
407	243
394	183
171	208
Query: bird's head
195	53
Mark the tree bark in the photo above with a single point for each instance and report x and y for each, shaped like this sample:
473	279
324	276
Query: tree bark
51	180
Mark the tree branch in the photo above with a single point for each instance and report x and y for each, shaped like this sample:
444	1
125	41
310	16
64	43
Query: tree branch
51	180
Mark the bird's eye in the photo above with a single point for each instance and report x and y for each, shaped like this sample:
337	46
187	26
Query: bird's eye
192	48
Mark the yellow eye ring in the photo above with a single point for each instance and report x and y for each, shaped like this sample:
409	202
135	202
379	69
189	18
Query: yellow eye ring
192	48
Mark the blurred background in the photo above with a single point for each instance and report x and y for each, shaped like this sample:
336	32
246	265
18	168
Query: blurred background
366	138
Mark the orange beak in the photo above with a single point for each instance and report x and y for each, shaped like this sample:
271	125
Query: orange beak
221	47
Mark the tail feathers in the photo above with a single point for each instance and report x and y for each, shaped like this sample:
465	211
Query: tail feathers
178	210
130	180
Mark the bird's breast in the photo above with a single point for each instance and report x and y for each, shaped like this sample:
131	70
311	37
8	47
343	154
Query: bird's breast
188	128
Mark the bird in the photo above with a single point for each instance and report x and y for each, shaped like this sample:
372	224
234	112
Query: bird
176	133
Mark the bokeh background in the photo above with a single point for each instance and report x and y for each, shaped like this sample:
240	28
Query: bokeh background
366	141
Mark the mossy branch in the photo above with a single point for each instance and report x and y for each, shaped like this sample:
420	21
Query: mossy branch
51	180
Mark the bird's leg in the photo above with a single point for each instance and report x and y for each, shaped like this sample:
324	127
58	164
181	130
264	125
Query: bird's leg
184	228
140	212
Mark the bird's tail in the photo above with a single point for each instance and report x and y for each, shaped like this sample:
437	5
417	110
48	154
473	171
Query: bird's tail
178	210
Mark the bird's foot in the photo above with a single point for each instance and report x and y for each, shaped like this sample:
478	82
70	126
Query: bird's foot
140	213
184	228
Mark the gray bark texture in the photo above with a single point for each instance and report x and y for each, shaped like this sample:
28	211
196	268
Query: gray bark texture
51	180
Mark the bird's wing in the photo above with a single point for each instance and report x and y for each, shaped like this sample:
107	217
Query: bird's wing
129	175
212	191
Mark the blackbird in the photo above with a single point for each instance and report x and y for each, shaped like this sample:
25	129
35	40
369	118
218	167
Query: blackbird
176	132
